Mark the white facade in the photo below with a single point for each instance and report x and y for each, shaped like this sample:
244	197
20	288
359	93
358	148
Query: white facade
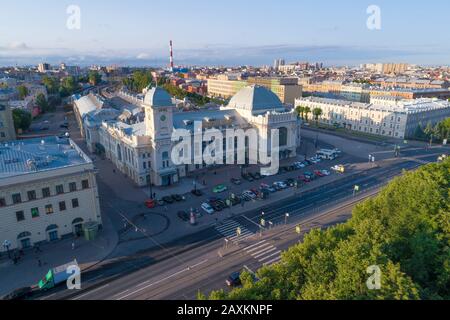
383	116
48	190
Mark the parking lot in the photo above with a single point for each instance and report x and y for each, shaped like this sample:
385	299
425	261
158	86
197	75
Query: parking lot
238	187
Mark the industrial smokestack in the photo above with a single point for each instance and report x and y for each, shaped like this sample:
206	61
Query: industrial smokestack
171	55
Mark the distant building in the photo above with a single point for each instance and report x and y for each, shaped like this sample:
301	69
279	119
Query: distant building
43	67
287	89
384	116
7	130
387	68
48	190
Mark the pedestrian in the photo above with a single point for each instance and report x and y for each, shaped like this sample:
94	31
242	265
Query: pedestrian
39	263
73	245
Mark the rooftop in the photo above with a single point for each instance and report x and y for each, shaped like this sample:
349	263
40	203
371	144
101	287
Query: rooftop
257	99
37	155
157	97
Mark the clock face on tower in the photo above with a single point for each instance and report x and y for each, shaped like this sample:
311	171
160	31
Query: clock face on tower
163	118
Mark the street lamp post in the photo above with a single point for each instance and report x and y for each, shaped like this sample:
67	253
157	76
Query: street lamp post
286	217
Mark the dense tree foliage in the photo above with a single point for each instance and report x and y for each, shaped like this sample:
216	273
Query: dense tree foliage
94	78
179	93
138	81
23	91
405	231
429	132
22	119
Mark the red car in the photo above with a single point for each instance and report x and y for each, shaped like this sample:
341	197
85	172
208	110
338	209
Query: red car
319	173
150	204
304	179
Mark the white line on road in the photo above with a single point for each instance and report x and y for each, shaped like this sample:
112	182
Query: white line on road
254	245
272	261
269	256
258	249
264	253
88	293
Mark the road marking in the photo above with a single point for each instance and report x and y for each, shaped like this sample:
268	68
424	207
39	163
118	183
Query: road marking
272	261
265	245
199	264
254	245
88	293
256	256
159	281
154	283
269	256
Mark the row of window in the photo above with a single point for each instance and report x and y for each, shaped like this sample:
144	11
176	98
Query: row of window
46	192
48	209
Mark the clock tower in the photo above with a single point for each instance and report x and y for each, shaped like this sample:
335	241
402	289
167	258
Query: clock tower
159	127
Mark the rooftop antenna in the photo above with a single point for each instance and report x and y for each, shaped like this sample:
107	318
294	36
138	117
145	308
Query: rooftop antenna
171	56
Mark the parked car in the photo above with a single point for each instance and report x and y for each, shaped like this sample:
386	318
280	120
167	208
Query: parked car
325	172
305	178
257	176
207	208
177	197
183	215
281	185
319	173
220	188
150	203
290	182
197	193
247	177
160	202
268	188
168	200
236	181
234	279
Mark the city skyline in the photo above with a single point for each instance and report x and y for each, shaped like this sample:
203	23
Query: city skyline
232	33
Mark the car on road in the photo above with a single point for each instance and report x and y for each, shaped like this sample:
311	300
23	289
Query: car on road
235	201
280	185
234	280
249	194
268	188
299	165
305	179
207	208
150	203
183	215
220	188
168	199
236	181
319	173
247	177
326	172
290	182
338	168
197	193
177	198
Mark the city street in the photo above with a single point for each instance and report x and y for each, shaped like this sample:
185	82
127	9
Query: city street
203	261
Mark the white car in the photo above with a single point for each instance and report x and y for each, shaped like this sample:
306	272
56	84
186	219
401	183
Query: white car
249	194
325	172
280	184
207	208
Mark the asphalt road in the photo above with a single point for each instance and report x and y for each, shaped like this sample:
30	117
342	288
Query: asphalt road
200	262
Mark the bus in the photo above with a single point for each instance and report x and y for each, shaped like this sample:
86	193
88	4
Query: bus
326	154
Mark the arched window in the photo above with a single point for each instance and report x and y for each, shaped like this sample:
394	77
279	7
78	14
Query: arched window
52	227
24	235
283	136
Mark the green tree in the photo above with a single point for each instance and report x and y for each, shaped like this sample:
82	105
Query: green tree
94	78
50	84
42	103
317	113
22	119
404	231
138	81
307	111
68	86
301	112
23	91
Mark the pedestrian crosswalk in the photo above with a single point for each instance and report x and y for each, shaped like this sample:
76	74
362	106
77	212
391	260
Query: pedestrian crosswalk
229	229
264	252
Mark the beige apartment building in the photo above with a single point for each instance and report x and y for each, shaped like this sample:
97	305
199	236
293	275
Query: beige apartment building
384	116
287	89
7	130
48	191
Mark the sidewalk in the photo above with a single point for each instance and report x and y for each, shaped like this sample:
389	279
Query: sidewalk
88	253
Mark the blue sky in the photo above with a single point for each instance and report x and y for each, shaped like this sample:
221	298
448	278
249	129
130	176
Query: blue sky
225	32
